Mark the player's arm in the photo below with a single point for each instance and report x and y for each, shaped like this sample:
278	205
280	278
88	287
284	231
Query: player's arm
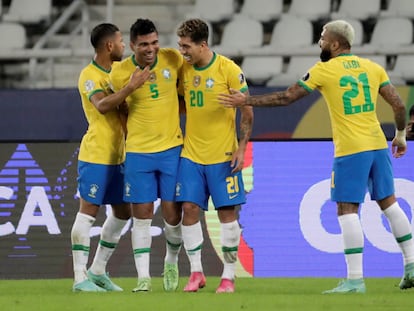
123	115
283	98
246	126
391	96
106	103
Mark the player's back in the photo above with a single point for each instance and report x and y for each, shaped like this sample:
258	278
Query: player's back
350	86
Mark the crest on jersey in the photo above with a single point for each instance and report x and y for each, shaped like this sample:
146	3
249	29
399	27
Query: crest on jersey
89	85
166	73
241	78
152	77
209	83
196	81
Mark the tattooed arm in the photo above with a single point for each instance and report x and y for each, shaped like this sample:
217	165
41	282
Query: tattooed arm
246	125
283	98
390	94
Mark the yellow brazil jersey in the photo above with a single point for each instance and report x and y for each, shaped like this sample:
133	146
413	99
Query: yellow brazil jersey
153	111
210	132
104	141
350	86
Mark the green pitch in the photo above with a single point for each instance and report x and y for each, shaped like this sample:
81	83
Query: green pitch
255	294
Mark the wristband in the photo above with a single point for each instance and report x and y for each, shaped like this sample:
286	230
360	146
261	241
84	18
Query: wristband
400	134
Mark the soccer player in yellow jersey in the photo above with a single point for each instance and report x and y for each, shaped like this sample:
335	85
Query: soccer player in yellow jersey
350	87
153	147
212	157
100	159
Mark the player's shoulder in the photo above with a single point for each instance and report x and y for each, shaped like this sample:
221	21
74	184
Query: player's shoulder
169	53
119	67
91	71
225	62
126	62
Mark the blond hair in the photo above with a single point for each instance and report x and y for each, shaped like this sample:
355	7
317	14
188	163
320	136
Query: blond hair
342	29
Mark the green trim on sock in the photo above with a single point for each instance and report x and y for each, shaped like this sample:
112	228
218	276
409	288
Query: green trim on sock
229	249
350	251
80	247
107	244
173	246
404	238
142	250
196	249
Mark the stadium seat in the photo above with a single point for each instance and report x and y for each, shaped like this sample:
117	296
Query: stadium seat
262	10
399	8
12	36
297	68
291	35
357	9
214	11
359	40
384	39
403	70
239	36
317	9
379	59
259	69
29	11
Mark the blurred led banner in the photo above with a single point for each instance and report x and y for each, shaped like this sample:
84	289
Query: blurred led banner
289	224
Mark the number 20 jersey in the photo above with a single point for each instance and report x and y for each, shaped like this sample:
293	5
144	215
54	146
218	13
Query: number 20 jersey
350	86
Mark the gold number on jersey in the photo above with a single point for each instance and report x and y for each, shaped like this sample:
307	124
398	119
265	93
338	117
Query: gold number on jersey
232	184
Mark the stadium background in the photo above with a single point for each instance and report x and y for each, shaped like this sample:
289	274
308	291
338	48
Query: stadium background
288	160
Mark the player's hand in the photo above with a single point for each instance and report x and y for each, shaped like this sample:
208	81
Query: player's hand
139	77
237	161
399	146
233	100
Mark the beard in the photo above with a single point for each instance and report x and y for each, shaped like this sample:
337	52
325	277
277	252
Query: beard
325	55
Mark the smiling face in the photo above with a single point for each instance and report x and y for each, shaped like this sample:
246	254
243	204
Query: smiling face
145	48
191	51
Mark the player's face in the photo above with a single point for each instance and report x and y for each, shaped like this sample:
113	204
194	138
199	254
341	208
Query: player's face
325	45
146	48
118	47
190	50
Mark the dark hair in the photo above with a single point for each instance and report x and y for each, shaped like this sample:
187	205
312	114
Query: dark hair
195	29
411	112
141	27
101	32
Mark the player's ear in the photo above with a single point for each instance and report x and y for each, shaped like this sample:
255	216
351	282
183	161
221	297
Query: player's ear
109	45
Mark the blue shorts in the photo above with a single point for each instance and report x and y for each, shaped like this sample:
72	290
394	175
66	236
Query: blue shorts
149	176
100	184
353	174
196	182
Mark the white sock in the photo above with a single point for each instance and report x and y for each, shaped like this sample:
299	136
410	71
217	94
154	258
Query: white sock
230	239
353	239
401	229
193	242
80	245
141	244
173	238
110	235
